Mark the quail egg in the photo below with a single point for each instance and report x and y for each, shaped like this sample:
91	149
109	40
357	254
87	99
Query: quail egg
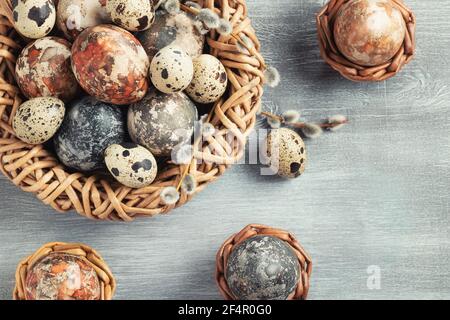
171	70
33	18
131	165
210	80
38	119
133	15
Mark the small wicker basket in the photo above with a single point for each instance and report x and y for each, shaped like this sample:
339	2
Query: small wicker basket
332	56
34	169
252	230
89	255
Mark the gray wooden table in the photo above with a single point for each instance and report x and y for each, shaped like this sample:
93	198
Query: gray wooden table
375	197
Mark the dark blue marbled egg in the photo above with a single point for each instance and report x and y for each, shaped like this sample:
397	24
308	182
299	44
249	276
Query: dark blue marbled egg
262	268
89	127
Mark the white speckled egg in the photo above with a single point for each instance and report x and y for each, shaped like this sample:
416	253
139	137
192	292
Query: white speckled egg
33	18
171	70
131	165
74	16
38	119
286	152
133	15
210	80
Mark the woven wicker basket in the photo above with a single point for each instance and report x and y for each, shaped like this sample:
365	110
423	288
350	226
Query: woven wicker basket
36	170
354	72
106	278
249	231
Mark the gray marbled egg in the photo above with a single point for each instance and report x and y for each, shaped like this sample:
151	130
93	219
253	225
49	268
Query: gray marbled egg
33	18
171	70
287	152
37	120
90	126
210	80
131	165
262	268
172	29
160	122
133	15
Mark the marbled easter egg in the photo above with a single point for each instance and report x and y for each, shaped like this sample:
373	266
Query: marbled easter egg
172	29
89	127
133	15
262	268
74	16
43	70
369	32
171	70
286	152
62	276
161	122
37	120
131	165
110	64
33	18
210	80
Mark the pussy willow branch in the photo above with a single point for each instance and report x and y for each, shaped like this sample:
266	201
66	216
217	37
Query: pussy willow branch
300	125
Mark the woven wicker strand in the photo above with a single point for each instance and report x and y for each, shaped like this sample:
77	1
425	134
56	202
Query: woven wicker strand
36	170
252	230
329	52
105	276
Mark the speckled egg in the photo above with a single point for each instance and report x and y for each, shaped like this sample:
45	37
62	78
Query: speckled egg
110	64
74	16
210	80
33	18
262	268
89	127
133	15
172	29
286	152
37	120
43	70
171	70
369	32
61	276
131	165
161	122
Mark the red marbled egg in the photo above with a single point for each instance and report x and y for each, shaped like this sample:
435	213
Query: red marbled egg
61	276
369	32
110	64
43	70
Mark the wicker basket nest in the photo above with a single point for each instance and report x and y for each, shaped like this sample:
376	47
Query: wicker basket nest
350	70
252	230
89	255
36	170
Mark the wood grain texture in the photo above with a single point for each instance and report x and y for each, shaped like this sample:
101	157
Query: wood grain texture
375	193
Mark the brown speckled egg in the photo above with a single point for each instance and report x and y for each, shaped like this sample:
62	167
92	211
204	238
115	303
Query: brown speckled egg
172	29
110	64
161	122
171	70
133	15
210	80
43	70
74	16
33	18
286	152
369	32
131	165
61	276
37	120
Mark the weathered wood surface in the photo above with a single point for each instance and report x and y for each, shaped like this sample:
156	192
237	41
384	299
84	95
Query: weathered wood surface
374	194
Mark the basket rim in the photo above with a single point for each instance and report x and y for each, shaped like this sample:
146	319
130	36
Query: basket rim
105	276
251	230
355	72
36	170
